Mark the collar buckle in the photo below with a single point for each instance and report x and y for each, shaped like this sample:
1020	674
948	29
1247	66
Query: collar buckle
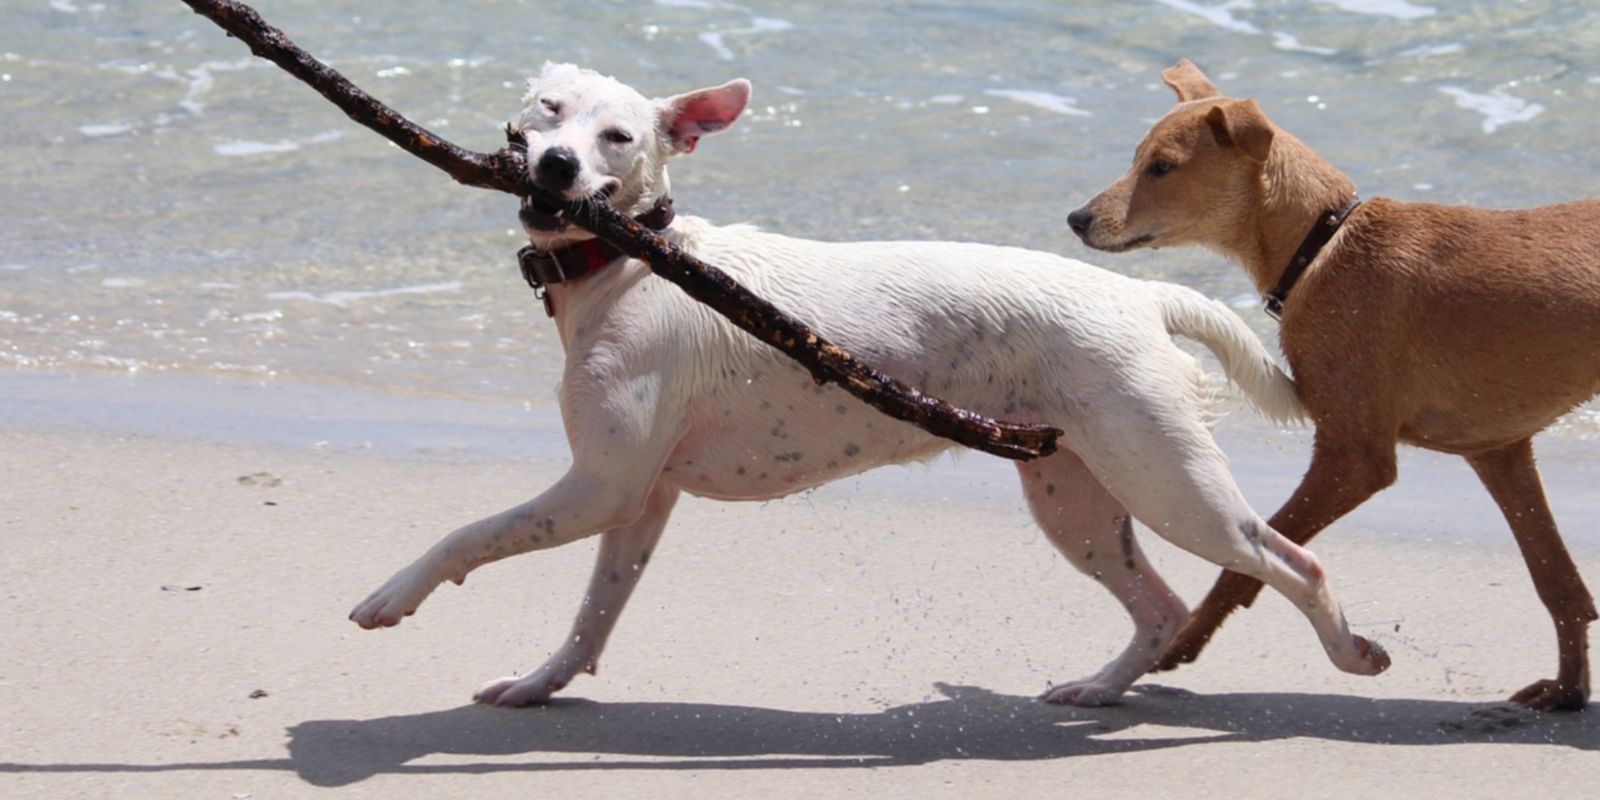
1273	305
539	269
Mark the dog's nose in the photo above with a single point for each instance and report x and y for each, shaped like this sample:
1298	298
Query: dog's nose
1080	221
557	169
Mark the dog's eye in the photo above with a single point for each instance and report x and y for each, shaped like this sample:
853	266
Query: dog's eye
617	136
1160	168
550	105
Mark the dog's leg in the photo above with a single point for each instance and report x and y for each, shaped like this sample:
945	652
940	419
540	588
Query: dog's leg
1340	478
1296	574
1512	478
1095	534
618	449
624	552
1178	484
579	505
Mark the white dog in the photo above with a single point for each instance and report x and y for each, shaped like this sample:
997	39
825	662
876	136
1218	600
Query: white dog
661	396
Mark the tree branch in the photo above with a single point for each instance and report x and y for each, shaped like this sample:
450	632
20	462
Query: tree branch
506	171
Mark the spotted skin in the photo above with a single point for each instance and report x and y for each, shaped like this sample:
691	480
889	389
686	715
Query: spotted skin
660	396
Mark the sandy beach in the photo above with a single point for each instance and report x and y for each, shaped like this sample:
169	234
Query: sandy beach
231	322
174	626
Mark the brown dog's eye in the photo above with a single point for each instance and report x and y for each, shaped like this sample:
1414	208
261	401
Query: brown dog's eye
1160	168
617	136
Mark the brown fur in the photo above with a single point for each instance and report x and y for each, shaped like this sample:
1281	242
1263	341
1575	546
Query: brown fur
1457	329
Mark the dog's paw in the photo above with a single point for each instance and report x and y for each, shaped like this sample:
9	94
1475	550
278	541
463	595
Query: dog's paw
536	687
392	602
1371	657
1084	694
528	690
1551	695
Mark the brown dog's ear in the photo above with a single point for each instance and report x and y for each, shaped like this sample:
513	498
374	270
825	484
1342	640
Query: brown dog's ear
1189	82
1240	123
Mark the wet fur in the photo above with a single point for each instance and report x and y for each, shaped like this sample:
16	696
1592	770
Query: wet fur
1463	330
661	396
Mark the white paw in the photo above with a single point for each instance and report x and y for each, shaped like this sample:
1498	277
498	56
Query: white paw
528	690
1085	694
536	687
394	601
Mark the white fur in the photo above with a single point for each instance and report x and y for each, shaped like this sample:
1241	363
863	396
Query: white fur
662	396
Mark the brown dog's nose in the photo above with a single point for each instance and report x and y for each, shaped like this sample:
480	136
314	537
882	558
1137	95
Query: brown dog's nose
1080	221
557	169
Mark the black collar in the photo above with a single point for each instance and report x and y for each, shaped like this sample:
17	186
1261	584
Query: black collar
1327	225
541	269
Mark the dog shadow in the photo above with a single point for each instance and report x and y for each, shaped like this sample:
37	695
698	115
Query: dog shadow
967	724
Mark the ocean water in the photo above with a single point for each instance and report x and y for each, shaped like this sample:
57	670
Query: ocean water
170	204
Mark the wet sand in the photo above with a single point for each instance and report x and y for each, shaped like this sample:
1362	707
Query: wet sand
174	626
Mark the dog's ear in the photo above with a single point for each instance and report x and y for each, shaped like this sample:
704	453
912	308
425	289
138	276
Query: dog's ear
687	117
1240	123
1189	82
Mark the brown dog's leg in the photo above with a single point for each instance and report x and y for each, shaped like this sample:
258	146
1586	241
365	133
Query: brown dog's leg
1512	479
1340	478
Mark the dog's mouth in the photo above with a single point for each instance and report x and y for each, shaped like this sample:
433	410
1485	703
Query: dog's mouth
537	219
1097	239
1123	246
541	219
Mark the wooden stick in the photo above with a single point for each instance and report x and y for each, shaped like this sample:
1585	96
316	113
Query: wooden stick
506	171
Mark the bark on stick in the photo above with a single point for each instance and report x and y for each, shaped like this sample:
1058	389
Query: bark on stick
506	171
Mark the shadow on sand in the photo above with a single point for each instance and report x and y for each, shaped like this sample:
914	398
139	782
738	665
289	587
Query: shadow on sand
967	724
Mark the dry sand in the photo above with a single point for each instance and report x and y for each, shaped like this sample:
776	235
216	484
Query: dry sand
173	625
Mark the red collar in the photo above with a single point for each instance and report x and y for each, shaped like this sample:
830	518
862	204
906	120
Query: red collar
541	269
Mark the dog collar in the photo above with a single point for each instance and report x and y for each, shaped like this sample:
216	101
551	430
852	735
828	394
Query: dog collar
545	268
1327	225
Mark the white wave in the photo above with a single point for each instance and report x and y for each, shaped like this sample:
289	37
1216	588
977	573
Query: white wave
1054	103
1287	41
200	80
1221	15
243	148
704	5
255	148
104	130
1218	15
1497	107
715	39
197	80
1427	50
69	7
1399	9
345	298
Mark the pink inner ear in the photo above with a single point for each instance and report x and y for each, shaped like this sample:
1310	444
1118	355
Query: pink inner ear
706	111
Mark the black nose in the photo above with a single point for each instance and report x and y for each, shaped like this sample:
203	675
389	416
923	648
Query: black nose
1080	221
557	169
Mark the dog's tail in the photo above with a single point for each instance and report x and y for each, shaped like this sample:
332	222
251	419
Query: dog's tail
1244	359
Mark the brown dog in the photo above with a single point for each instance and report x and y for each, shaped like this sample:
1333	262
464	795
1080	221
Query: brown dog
1456	329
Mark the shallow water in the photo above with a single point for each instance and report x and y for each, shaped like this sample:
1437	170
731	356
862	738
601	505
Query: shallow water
171	203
